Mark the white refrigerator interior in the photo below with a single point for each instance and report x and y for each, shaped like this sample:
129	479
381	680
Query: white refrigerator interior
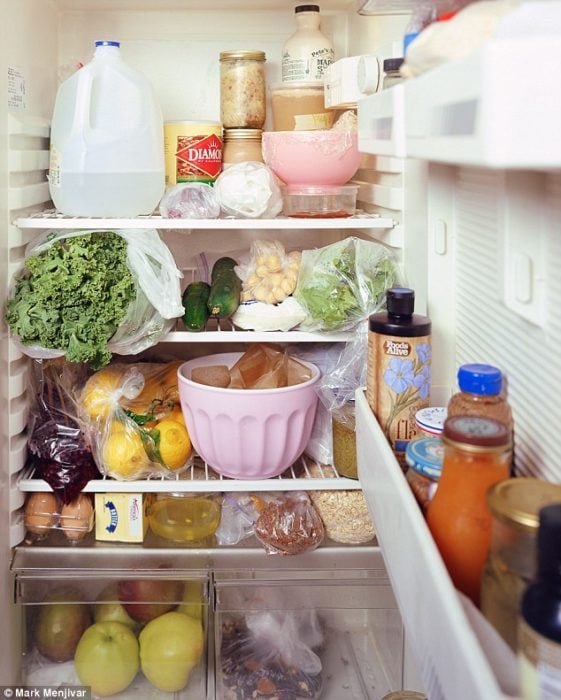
461	176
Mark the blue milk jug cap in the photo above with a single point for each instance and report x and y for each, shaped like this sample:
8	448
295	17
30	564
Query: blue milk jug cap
485	380
108	43
425	456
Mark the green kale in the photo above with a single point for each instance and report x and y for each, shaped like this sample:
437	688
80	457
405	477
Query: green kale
73	296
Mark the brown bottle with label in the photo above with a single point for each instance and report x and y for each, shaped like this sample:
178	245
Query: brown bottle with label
399	368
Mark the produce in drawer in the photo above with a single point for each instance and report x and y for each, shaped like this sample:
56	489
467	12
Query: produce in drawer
147	599
343	283
134	420
61	620
86	294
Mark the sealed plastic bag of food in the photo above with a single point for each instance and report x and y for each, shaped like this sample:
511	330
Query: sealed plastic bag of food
190	200
87	294
58	445
273	650
343	283
289	524
270	274
134	421
249	190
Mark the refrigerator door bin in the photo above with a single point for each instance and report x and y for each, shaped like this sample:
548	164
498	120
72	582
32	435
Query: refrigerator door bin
434	617
132	633
307	636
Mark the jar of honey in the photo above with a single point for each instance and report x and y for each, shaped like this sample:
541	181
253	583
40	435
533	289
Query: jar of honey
477	455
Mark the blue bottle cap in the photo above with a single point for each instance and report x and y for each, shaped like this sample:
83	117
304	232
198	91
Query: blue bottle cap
485	380
425	456
108	43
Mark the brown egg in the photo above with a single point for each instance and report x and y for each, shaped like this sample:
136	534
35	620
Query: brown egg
40	513
76	518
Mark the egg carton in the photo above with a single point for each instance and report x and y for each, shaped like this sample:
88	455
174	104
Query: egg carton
45	514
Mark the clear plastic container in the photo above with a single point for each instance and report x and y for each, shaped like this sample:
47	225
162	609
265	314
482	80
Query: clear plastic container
107	149
185	517
242	89
241	145
330	202
300	108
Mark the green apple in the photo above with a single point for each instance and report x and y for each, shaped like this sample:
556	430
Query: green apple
192	603
107	657
171	645
59	625
108	608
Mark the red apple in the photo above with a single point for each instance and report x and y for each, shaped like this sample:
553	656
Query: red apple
145	599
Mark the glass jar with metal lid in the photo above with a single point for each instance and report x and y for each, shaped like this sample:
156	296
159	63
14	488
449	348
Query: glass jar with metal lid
510	566
241	145
424	460
242	89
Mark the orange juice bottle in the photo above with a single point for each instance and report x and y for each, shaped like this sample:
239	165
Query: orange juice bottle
477	454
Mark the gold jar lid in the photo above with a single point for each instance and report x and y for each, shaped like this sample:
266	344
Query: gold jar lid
242	55
518	501
243	134
405	695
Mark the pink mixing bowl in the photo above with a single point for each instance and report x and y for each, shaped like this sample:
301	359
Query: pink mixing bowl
323	157
247	433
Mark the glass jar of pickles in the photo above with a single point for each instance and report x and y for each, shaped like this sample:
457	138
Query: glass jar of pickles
511	564
242	89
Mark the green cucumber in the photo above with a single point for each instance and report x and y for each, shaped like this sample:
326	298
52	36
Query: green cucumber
221	265
225	290
195	299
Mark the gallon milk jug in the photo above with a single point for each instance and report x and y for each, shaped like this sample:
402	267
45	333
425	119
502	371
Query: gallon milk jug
107	142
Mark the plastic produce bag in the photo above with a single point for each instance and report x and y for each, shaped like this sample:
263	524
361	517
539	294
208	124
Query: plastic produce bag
343	283
134	421
58	446
289	524
271	274
190	200
249	190
64	303
239	514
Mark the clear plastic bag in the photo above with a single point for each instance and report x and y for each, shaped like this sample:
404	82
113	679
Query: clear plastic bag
343	283
152	312
289	524
249	190
237	522
190	200
270	274
58	445
134	421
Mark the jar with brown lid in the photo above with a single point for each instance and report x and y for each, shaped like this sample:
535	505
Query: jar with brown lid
511	565
242	89
241	145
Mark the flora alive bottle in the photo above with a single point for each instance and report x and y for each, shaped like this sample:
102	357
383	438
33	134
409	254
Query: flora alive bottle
307	53
399	368
539	631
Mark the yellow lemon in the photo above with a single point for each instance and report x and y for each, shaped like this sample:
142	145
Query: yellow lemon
175	444
124	456
99	397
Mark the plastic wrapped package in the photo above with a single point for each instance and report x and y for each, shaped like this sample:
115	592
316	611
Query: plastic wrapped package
249	190
259	316
58	445
190	200
85	295
341	284
134	421
270	274
239	514
289	524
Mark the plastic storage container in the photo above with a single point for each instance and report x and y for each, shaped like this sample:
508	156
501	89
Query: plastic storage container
107	147
185	517
300	108
330	202
242	89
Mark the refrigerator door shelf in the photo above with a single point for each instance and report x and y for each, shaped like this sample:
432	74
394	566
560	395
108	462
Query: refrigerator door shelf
434	617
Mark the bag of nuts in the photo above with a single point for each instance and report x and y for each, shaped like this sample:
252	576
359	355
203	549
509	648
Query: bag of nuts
289	524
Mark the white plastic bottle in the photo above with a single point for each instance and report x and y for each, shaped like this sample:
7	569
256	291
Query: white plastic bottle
307	53
107	142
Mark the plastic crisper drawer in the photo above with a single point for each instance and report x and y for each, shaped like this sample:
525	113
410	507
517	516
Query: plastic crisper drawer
77	630
381	123
447	636
335	638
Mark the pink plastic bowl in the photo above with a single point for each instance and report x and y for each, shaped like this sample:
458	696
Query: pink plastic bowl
247	433
323	157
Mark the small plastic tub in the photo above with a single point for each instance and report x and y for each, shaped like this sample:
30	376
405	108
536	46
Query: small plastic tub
329	202
181	517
